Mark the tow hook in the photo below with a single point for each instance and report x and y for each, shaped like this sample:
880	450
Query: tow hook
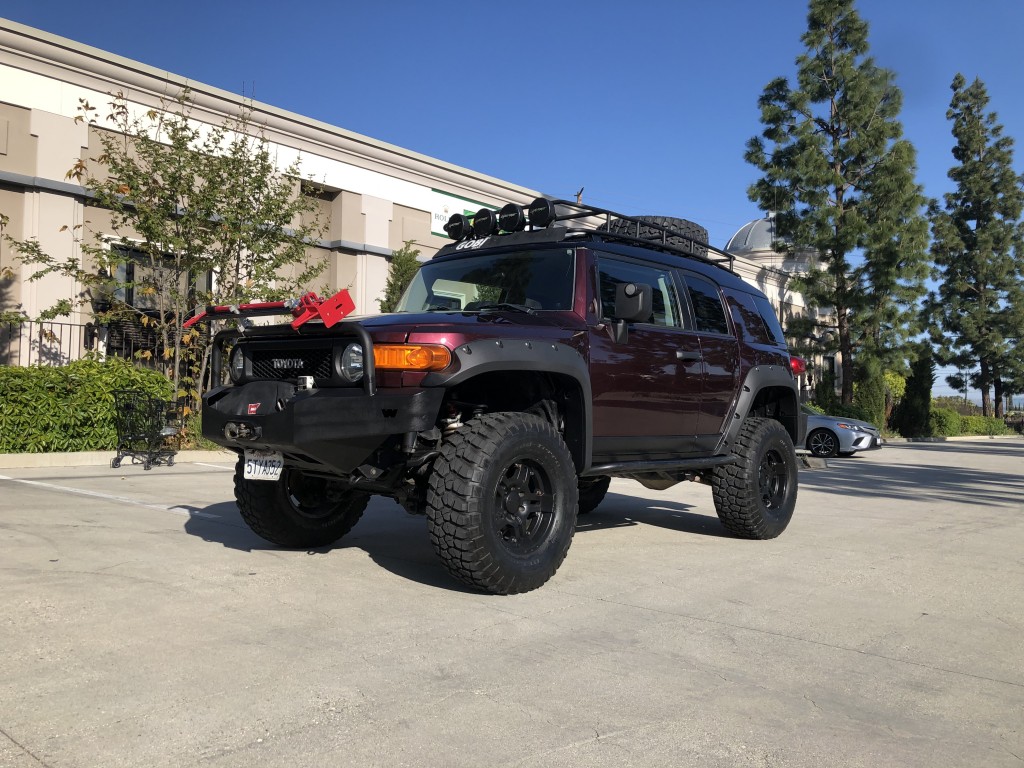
240	430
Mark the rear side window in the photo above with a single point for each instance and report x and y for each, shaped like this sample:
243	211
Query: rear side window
708	312
771	322
747	318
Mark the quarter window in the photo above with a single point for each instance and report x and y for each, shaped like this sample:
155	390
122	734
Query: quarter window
708	313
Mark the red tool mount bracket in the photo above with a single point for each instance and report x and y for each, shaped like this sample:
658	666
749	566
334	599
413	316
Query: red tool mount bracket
305	308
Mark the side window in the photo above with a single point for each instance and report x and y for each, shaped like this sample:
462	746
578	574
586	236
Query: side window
708	313
771	322
746	317
665	305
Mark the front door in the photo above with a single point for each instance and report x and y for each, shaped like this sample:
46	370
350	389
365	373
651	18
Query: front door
646	389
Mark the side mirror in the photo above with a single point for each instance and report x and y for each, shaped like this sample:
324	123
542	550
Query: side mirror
632	305
633	302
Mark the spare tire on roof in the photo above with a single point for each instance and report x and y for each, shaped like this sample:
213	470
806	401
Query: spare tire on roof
680	235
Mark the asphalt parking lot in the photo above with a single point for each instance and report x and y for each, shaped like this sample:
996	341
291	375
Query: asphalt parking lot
144	625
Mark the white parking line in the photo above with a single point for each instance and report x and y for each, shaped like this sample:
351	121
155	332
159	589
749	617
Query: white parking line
110	496
213	466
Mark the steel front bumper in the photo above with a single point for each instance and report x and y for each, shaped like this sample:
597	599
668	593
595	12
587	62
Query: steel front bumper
332	429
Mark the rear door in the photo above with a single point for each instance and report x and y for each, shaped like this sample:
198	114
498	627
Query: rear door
719	352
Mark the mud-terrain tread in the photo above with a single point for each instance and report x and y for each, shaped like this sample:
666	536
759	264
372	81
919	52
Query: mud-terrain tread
262	506
454	518
687	230
734	486
592	492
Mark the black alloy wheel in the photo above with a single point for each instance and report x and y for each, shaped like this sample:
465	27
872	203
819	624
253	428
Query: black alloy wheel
773	480
526	507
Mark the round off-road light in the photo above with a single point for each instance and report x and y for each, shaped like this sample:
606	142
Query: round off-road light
512	218
352	363
458	226
237	365
485	223
541	212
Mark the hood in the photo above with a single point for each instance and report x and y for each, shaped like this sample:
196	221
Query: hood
466	322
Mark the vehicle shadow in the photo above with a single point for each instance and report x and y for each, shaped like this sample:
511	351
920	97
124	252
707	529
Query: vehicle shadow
619	511
399	542
392	538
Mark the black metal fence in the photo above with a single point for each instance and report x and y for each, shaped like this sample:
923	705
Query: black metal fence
52	343
45	343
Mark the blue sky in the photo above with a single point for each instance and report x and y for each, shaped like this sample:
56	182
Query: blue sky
646	105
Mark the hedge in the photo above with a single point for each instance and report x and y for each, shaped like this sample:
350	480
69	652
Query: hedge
983	425
943	422
68	408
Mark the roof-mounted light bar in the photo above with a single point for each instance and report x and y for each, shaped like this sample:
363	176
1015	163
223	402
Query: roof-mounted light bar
512	218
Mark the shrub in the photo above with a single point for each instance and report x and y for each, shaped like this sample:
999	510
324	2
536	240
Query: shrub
943	422
983	425
192	434
869	395
854	412
913	414
68	408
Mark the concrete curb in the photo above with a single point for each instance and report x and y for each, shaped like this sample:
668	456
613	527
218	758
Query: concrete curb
960	439
97	458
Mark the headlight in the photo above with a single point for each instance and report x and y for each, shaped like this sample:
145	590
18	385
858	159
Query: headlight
236	368
352	363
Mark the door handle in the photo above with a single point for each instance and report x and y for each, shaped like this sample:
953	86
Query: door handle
689	357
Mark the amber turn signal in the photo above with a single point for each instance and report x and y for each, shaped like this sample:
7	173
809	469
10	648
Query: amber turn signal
411	357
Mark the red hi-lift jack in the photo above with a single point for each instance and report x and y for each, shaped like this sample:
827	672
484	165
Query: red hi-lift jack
305	308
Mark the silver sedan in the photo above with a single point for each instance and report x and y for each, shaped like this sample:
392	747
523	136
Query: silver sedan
829	436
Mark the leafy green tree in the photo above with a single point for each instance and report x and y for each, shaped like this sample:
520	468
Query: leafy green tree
895	389
978	249
402	269
840	177
191	215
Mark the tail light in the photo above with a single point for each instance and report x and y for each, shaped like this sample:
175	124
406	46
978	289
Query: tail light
797	365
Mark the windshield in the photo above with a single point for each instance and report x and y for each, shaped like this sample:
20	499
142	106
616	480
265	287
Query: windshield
527	280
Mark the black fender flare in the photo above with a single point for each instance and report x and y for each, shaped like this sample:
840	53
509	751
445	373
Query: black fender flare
494	355
760	378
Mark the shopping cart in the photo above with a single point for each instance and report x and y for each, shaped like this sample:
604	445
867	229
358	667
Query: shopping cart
145	428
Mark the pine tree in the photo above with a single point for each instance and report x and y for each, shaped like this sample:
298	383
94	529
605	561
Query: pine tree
402	269
840	178
978	249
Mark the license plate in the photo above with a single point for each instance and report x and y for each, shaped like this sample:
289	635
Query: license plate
263	465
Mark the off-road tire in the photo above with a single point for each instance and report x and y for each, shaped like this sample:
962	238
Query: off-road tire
755	496
684	229
296	511
501	502
823	443
592	491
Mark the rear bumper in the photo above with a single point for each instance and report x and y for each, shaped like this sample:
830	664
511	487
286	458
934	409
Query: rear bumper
336	429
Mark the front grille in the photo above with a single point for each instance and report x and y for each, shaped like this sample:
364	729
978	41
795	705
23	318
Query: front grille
291	363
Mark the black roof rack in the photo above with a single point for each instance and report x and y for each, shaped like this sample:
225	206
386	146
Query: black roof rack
631	234
610	226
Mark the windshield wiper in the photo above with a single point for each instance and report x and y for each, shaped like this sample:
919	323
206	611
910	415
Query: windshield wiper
501	305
